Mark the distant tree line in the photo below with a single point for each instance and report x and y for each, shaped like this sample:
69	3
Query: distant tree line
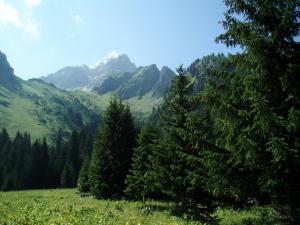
27	165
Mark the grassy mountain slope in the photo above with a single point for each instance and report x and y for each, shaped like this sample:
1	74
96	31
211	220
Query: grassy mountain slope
141	107
42	109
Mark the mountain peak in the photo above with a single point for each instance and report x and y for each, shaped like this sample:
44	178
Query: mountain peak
114	56
124	57
7	77
115	63
109	56
84	78
5	68
165	79
166	69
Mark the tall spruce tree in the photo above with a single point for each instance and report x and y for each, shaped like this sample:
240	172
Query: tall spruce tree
177	161
73	152
256	105
4	151
68	176
71	168
83	183
33	171
18	163
85	150
137	185
57	156
112	151
44	164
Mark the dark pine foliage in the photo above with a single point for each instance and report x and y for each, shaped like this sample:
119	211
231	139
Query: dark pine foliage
26	165
137	184
175	163
254	100
112	151
68	176
83	183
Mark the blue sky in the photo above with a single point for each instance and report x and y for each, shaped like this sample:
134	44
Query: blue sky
41	36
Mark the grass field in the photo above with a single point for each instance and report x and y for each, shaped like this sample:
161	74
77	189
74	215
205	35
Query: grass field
65	206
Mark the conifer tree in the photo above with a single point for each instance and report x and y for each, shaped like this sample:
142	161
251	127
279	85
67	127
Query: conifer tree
33	171
83	150
28	166
4	140
137	186
73	152
256	105
68	176
83	179
44	159
18	163
58	158
177	162
71	167
112	151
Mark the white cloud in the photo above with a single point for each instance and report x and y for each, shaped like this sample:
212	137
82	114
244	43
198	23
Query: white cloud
78	19
10	16
32	3
31	27
111	55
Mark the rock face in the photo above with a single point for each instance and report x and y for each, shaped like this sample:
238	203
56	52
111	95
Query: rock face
119	64
164	82
137	84
69	78
141	82
112	83
85	78
7	77
117	75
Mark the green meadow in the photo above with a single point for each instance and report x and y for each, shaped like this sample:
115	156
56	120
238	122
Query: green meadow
66	206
